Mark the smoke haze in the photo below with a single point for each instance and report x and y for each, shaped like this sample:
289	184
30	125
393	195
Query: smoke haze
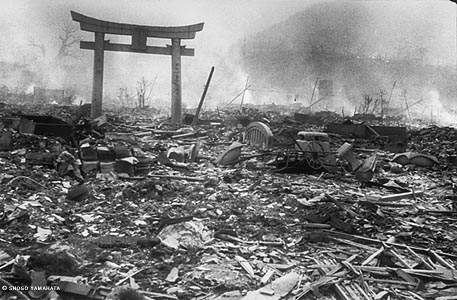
388	27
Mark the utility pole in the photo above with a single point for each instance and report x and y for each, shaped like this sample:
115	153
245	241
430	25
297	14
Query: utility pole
314	89
407	105
194	122
244	92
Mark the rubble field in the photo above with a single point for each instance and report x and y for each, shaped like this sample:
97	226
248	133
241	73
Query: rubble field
130	206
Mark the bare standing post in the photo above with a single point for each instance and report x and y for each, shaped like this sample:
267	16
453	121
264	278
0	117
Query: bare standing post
176	81
244	92
407	105
97	88
314	89
391	92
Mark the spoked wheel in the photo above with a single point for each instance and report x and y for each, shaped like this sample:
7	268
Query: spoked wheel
314	155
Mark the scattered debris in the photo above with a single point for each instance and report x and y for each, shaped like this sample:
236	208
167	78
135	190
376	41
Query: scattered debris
417	159
137	209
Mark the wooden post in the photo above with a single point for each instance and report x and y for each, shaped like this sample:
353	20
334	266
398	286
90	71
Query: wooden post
244	92
97	83
312	95
407	106
200	104
176	81
391	92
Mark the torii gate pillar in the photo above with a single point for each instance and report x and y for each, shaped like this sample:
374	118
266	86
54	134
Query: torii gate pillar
139	35
176	101
97	81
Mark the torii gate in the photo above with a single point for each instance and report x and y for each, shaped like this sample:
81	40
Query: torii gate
139	36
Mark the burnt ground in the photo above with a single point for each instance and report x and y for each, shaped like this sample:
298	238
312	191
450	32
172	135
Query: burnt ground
182	229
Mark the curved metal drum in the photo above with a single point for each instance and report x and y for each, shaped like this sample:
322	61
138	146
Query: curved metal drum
258	134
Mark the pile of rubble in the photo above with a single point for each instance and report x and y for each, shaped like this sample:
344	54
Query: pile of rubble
132	207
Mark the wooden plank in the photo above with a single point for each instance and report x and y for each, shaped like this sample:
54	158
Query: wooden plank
425	263
407	195
266	278
327	278
407	277
442	260
390	281
369	269
353	293
128	48
399	258
355	244
347	291
280	287
416	295
374	241
378	252
342	292
187	178
341	206
351	268
373	256
96	25
372	130
386	204
316	226
358	288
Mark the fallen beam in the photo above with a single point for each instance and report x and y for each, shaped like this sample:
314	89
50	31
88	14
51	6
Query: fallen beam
407	195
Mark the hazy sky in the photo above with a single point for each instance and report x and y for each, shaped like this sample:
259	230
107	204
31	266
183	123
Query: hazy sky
23	20
226	22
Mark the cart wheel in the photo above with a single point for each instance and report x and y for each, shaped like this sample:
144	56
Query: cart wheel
314	155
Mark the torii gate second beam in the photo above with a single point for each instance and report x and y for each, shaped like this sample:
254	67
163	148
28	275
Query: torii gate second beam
139	34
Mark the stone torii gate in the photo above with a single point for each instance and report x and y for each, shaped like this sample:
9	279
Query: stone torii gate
139	34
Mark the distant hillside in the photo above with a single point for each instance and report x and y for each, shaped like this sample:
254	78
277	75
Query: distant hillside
333	42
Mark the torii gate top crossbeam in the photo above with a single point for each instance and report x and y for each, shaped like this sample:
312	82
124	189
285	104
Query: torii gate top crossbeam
95	25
